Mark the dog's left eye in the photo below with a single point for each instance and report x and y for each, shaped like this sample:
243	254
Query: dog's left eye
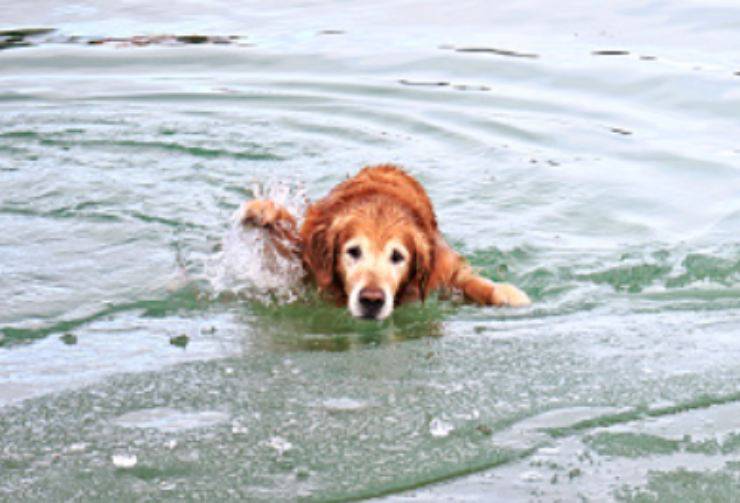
354	252
397	257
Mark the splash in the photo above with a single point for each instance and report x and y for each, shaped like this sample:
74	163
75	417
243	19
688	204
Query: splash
248	264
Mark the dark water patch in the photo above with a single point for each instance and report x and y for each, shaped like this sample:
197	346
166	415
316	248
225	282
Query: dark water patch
23	37
72	212
701	279
26	32
205	152
12	39
700	267
12	43
507	265
13	151
663	270
639	413
332	32
684	485
648	58
435	476
151	473
146	40
168	222
313	324
629	278
20	134
631	445
186	299
497	52
610	52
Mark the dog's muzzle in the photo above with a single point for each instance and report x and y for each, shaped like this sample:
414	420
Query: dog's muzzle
370	303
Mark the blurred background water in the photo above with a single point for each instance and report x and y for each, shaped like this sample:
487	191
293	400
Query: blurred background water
588	153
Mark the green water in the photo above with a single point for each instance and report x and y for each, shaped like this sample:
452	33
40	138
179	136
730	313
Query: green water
589	156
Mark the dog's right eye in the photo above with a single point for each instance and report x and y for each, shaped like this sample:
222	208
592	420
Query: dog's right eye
354	252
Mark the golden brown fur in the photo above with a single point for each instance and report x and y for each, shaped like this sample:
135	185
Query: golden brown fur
374	236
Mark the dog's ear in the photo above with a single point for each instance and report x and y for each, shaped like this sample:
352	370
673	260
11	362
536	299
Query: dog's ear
423	264
320	254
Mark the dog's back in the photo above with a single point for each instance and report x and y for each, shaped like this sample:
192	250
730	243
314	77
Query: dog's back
378	181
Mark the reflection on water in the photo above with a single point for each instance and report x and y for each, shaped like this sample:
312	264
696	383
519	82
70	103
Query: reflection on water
588	155
312	325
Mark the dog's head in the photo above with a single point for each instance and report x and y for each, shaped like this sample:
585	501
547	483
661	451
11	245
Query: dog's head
371	256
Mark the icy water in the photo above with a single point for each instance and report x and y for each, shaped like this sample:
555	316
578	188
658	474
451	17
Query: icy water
590	155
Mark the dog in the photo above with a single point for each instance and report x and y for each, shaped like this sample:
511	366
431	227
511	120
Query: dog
373	243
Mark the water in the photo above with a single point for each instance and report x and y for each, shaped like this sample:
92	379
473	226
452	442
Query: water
589	155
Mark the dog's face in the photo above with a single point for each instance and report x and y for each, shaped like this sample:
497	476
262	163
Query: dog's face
372	273
370	260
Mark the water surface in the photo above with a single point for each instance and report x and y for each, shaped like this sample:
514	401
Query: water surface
590	156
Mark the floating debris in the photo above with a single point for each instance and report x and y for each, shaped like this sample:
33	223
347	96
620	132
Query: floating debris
610	52
280	445
145	40
440	428
69	339
498	52
196	39
124	461
181	341
16	38
484	429
423	83
621	131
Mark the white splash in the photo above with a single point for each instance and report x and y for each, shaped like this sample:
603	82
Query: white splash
280	445
124	460
440	428
248	263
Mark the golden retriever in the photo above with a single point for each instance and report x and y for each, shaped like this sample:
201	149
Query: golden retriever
372	243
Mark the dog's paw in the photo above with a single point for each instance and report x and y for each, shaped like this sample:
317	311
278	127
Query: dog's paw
505	294
260	213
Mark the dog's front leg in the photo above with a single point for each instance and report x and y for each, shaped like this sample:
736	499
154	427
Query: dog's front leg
485	291
276	219
452	270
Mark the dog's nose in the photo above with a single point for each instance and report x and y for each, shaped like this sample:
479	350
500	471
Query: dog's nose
372	301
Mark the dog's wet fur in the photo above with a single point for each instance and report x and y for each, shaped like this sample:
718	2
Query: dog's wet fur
373	243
